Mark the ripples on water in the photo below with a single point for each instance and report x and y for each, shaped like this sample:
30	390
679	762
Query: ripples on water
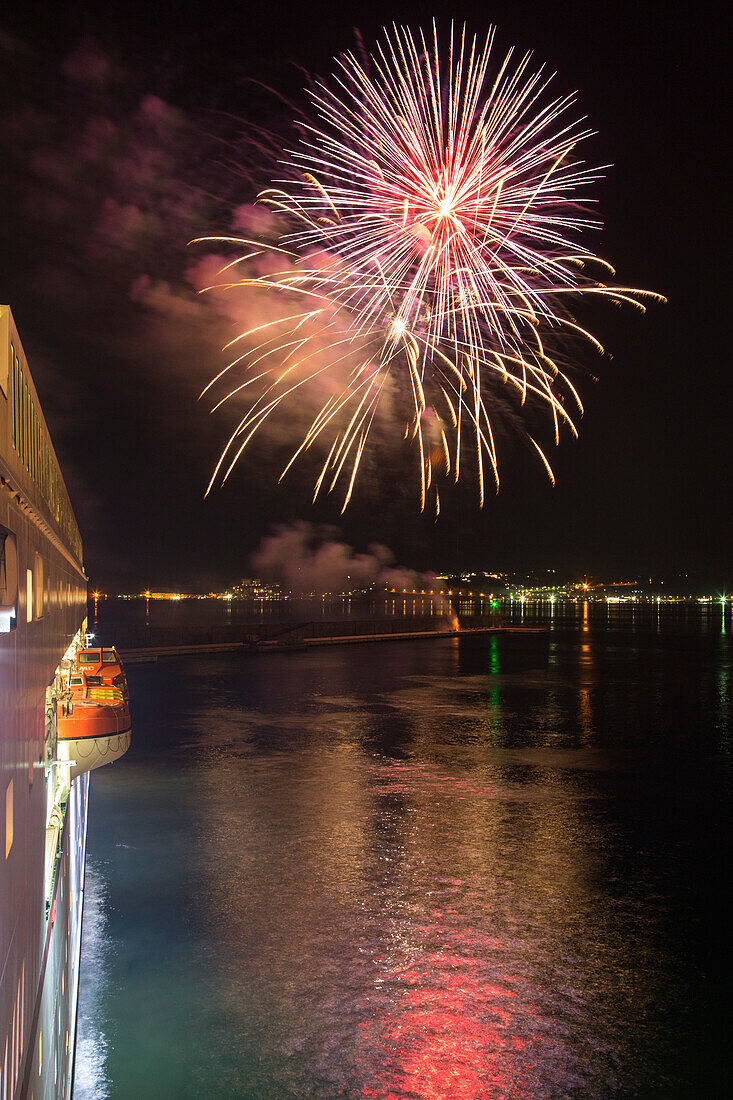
91	1081
477	868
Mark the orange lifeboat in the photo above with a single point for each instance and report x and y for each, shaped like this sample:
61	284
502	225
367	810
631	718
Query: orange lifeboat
93	724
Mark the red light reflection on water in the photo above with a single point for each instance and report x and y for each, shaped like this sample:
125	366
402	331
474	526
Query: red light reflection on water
454	1033
401	777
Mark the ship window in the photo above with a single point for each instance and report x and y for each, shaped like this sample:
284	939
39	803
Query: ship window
24	422
90	657
5	387
8	818
13	394
109	656
76	681
38	586
8	581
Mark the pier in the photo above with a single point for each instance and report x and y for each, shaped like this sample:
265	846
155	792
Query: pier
298	637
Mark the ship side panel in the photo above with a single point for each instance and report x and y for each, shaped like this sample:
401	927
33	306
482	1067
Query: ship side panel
47	598
48	1070
28	657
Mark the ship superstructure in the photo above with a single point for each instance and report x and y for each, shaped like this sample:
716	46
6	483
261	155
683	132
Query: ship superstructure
43	801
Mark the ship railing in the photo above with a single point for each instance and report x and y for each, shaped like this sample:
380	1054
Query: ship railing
54	834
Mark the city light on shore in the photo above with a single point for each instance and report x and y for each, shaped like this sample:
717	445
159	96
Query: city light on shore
473	587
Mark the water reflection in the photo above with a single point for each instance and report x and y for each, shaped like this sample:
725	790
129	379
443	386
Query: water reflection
724	703
493	704
91	1079
458	1028
407	871
586	678
399	955
412	919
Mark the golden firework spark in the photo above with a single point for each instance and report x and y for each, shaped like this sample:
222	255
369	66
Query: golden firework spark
431	218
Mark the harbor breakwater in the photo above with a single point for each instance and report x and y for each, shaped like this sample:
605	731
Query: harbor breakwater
134	642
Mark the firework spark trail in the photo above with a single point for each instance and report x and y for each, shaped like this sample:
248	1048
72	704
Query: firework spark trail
431	221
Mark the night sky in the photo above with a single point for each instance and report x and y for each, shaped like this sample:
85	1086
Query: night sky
121	137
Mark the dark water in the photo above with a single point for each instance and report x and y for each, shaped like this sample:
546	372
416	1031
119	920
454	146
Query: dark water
484	867
136	622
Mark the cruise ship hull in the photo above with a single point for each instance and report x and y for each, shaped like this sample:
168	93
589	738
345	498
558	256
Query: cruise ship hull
43	808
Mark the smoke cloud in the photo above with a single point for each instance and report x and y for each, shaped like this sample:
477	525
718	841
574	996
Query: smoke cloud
313	560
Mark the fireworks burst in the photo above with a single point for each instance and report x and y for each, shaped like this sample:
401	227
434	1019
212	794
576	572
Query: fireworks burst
430	224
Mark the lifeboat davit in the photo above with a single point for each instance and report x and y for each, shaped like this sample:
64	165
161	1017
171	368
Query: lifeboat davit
93	715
